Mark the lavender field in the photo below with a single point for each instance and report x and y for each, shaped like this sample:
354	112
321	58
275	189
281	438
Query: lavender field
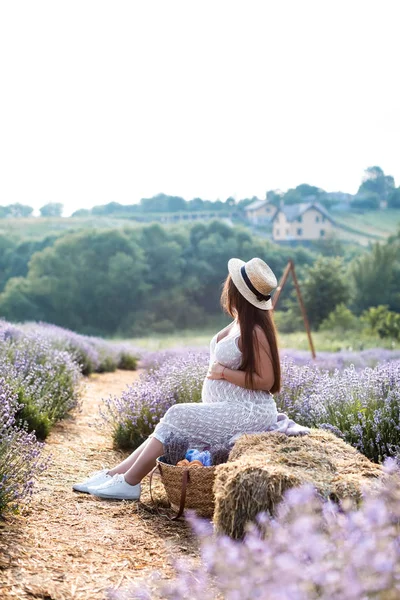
354	395
319	550
312	549
41	368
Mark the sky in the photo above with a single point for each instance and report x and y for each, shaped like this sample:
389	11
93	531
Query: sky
106	101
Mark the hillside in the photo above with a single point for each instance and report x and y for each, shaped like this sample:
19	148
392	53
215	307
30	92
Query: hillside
369	225
360	228
35	228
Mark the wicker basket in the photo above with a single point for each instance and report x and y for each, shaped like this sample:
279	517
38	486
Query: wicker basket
188	487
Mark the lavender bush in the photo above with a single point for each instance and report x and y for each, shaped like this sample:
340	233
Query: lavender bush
360	405
134	415
93	354
20	453
153	359
44	379
325	360
40	368
363	406
312	550
342	359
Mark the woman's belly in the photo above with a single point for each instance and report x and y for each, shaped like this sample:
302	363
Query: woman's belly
220	390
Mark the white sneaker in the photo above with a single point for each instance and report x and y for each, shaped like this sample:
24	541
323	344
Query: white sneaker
96	478
116	488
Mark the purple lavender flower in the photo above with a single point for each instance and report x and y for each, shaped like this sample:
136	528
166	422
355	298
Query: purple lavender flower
20	453
311	550
134	415
362	406
93	354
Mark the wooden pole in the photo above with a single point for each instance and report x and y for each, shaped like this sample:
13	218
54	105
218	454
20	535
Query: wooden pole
303	308
282	282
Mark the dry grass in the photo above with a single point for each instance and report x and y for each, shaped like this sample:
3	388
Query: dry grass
66	545
262	467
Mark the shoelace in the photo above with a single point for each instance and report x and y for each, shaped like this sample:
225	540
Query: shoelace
95	474
117	478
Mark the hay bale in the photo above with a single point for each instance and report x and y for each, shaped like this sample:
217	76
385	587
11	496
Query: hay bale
262	467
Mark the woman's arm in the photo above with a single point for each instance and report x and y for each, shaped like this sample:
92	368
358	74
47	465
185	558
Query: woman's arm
263	378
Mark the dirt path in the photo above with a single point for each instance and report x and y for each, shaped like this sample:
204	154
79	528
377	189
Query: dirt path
66	545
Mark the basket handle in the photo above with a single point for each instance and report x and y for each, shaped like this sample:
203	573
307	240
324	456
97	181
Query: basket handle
185	481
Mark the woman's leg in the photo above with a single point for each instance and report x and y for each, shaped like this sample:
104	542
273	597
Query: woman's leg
145	462
126	464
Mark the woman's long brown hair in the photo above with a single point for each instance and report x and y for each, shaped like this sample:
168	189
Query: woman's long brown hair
249	316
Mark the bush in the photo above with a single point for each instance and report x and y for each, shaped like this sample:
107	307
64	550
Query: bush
44	379
363	406
20	453
289	321
127	361
93	354
135	414
365	201
341	319
380	320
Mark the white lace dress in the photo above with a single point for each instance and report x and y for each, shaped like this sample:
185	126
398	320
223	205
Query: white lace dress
226	409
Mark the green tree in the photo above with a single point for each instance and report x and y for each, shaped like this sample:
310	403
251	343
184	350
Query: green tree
324	287
394	198
274	196
16	210
163	203
195	204
375	277
341	320
133	280
52	209
303	193
15	257
382	321
82	212
329	246
86	282
365	201
19	210
376	182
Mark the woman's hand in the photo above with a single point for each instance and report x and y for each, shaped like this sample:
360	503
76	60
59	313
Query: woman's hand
216	371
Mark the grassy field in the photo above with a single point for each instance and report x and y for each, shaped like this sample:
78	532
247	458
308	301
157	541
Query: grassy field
39	228
358	228
323	341
371	224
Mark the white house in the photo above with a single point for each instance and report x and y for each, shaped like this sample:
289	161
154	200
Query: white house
309	221
260	212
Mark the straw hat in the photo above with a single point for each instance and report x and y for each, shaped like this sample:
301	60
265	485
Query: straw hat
254	280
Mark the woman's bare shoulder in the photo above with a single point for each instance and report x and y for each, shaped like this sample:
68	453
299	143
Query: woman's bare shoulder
225	331
260	335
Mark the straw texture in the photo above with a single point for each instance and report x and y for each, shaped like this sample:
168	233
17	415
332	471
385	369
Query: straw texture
260	275
199	491
262	467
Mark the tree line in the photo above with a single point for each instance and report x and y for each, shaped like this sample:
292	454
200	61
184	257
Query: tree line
375	188
133	281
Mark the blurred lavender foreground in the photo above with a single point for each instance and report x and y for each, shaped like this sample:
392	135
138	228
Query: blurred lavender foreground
310	551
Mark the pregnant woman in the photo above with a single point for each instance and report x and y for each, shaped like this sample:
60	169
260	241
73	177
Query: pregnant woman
243	374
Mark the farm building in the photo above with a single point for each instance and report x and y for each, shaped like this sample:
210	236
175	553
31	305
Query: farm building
309	221
260	212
